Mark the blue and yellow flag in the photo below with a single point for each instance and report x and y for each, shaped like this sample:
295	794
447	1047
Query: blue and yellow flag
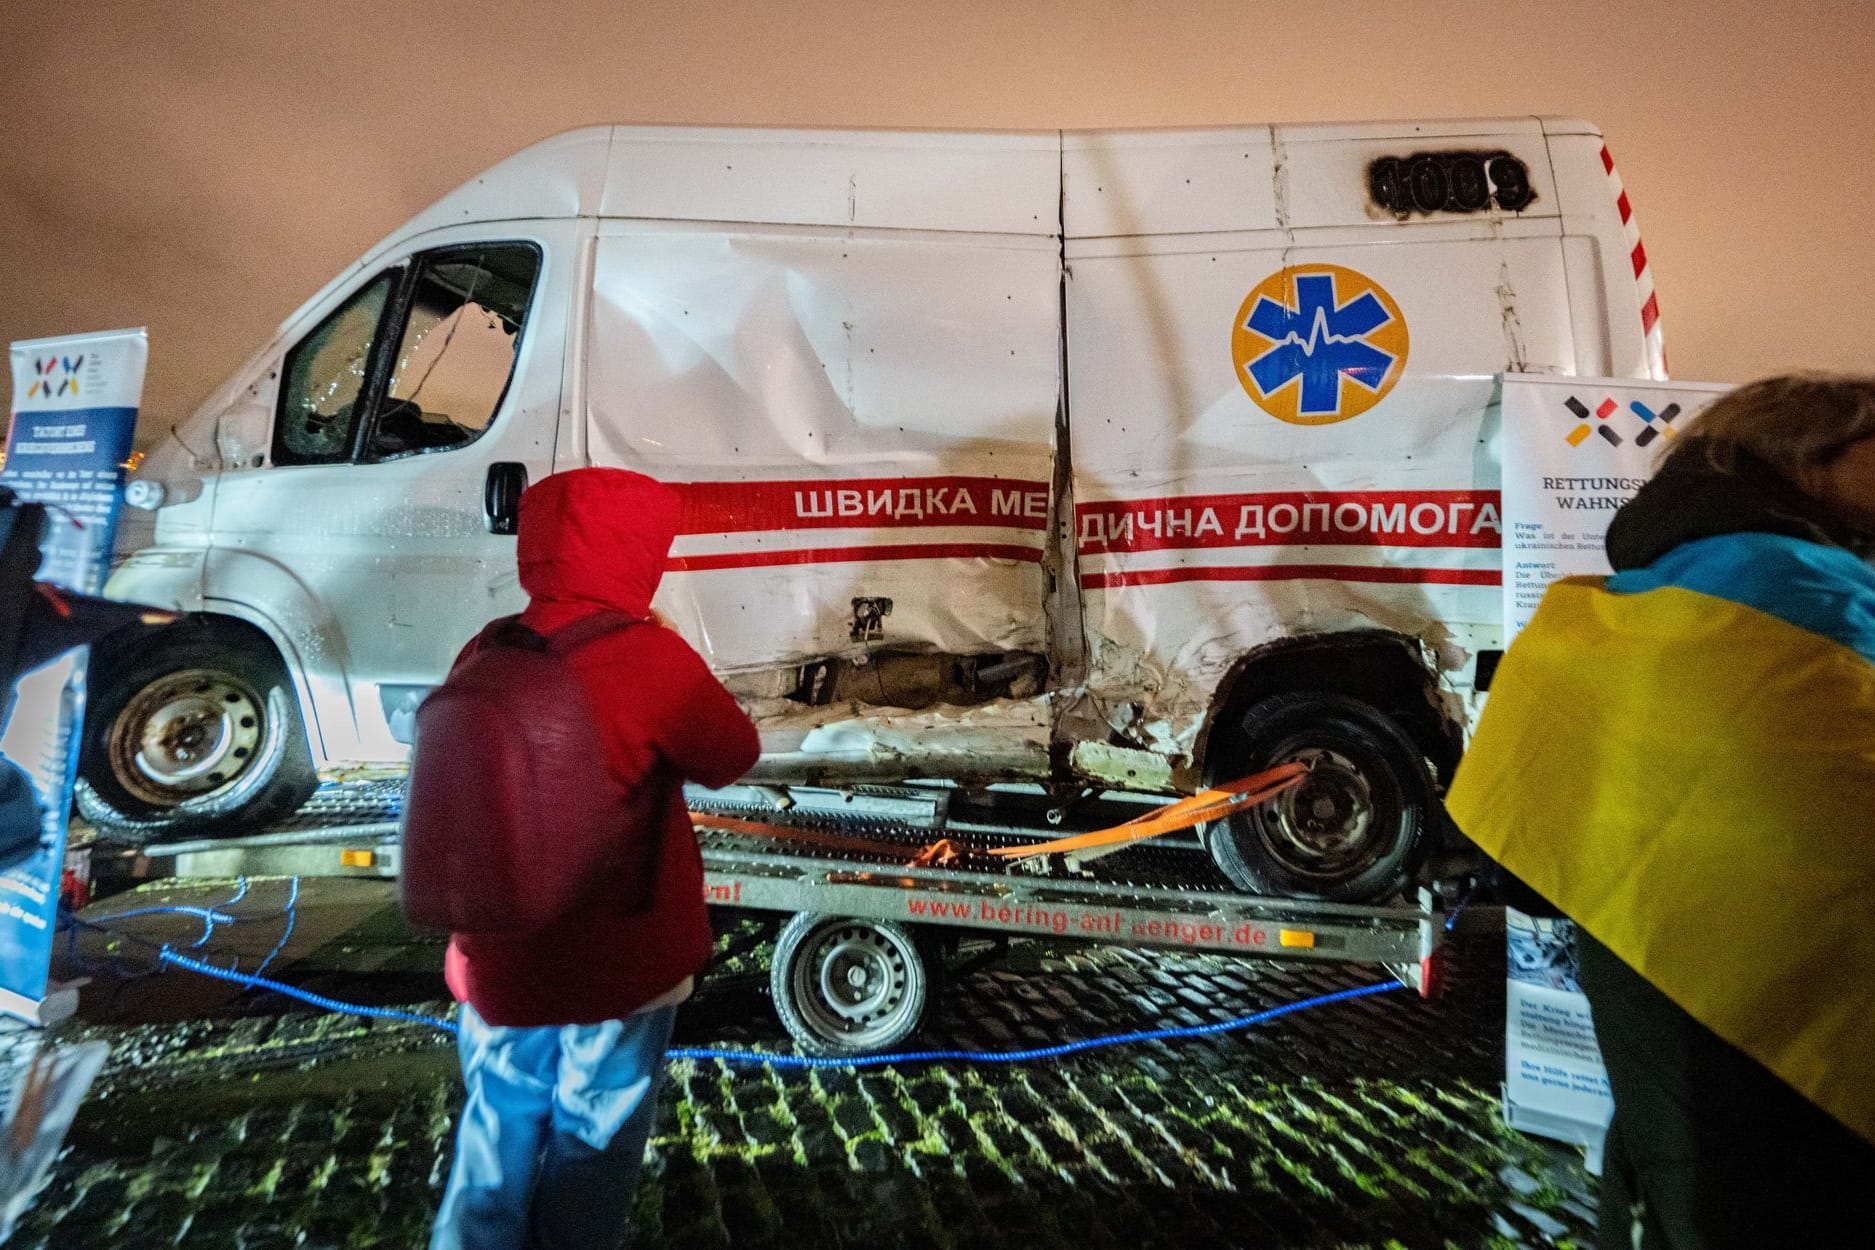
1682	758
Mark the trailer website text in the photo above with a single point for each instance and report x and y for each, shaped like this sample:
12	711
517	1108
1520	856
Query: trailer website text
1030	919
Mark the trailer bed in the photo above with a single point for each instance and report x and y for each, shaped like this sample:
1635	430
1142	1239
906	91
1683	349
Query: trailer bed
1164	894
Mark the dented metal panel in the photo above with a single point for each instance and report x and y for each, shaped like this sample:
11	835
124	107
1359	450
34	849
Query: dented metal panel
1007	739
853	415
1265	424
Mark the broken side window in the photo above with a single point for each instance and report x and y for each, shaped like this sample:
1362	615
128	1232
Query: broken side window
456	354
325	379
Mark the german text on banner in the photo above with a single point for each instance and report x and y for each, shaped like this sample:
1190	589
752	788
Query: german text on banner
74	415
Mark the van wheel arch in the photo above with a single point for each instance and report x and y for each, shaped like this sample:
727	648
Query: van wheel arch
1388	671
194	727
1384	736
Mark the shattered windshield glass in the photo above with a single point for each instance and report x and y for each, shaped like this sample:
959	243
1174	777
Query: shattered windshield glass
325	374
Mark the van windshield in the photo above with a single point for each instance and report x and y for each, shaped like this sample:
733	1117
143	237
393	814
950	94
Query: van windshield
325	375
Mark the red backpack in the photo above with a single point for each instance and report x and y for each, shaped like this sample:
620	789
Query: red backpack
512	810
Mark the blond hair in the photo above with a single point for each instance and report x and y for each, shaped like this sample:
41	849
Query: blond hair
1793	422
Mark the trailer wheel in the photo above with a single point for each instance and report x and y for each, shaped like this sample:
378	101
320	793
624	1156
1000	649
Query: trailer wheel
1353	831
844	986
196	729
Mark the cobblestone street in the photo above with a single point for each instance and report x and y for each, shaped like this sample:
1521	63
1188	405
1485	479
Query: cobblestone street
244	1120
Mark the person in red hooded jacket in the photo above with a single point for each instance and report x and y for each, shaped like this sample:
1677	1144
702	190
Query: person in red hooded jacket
563	1031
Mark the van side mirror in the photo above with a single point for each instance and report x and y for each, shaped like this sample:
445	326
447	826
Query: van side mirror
501	496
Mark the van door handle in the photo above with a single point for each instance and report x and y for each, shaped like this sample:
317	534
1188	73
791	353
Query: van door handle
501	496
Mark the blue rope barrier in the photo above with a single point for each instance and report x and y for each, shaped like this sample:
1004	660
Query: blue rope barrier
292	917
253	980
205	914
305	996
1032	1055
817	1061
1464	900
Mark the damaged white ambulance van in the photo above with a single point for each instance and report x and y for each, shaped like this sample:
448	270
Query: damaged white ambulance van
1112	459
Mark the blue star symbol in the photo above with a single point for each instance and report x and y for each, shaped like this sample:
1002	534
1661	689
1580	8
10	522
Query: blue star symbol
1319	342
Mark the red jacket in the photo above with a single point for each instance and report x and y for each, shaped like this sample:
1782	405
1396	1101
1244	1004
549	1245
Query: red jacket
596	540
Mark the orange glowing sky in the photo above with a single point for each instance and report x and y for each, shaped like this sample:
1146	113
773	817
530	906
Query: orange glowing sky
202	167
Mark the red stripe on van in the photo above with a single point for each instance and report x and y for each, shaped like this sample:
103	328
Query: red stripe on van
1650	314
1627	210
854	555
1608	161
1639	257
1293	572
862	503
1383	518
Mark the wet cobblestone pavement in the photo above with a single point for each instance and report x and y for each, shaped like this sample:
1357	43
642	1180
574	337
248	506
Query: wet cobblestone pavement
1367	1123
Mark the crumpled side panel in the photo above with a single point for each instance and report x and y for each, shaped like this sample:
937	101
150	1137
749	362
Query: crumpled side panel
1213	519
851	415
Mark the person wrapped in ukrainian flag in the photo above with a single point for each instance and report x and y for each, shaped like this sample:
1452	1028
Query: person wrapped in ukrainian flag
1681	757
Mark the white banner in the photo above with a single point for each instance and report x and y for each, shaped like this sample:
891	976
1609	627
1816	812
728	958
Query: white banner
1574	451
75	404
75	401
1554	1081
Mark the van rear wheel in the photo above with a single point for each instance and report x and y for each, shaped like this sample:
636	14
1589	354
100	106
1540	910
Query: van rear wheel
194	730
1354	830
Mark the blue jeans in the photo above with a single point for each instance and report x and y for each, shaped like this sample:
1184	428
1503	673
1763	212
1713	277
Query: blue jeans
552	1134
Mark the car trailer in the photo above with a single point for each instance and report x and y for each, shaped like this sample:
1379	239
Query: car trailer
868	931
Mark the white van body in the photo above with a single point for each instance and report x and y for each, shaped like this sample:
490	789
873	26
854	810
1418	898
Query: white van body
1129	427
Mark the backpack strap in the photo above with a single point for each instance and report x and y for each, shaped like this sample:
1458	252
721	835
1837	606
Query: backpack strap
563	642
509	632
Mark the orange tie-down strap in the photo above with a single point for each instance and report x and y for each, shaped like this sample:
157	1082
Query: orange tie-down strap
1213	804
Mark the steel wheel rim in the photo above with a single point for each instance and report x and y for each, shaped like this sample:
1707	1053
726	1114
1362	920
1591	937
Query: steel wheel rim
853	984
186	735
1327	828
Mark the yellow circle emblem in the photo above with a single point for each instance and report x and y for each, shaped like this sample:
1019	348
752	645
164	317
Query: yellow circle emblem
1316	344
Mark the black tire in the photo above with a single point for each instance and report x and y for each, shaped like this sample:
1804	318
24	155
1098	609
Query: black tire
1354	830
193	730
846	987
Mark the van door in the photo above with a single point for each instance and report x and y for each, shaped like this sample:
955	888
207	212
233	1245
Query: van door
363	530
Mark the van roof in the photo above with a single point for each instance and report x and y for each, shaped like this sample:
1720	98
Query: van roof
1004	182
1015	182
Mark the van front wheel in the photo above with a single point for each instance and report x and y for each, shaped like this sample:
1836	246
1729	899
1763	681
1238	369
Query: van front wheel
1353	831
195	731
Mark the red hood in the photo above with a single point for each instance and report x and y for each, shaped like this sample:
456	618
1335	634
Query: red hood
596	538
